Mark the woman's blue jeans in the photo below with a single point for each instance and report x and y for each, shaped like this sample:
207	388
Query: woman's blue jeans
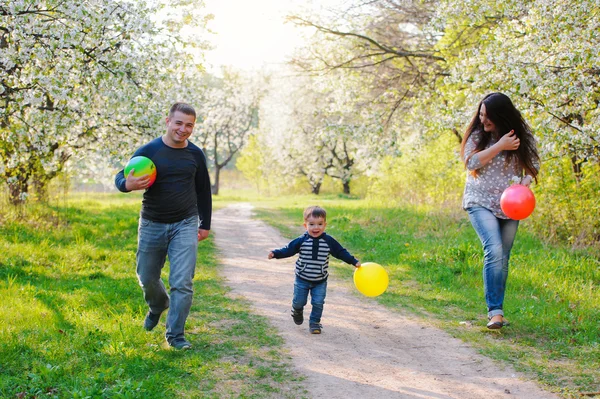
317	290
497	237
178	241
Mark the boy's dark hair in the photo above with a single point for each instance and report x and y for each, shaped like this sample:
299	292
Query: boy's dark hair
316	212
183	108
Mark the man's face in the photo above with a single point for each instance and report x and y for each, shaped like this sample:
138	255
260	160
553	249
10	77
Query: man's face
315	226
179	127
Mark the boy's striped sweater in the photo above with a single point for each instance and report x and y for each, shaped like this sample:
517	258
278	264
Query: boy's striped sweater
313	262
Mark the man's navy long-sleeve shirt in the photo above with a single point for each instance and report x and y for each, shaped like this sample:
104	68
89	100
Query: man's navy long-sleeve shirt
182	187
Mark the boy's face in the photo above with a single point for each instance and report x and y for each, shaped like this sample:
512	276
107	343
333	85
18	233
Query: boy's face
315	226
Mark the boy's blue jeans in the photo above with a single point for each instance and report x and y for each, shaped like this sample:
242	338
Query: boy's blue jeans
180	242
317	290
497	236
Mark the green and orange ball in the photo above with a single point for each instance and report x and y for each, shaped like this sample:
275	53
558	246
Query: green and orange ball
141	166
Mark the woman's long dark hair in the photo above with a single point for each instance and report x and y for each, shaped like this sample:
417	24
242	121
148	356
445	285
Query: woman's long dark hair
501	111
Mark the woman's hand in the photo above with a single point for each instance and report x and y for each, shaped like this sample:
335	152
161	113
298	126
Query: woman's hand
526	180
509	141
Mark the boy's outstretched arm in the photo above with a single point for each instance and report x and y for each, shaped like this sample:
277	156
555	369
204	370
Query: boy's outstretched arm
289	250
341	253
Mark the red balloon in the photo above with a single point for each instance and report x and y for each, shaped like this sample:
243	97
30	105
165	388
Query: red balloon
517	202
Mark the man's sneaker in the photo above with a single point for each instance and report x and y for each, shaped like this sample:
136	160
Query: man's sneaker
298	316
315	328
179	343
151	321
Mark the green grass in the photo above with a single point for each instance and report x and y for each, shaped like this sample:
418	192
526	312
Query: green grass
71	315
72	311
434	261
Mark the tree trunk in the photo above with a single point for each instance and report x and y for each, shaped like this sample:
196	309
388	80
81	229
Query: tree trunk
458	135
316	188
18	191
346	187
215	186
576	165
40	187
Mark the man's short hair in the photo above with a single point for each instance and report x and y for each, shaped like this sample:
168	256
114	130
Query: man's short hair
183	108
316	212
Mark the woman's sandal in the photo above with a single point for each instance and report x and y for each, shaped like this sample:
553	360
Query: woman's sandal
496	325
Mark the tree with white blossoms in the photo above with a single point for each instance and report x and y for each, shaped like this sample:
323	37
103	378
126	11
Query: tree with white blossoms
542	53
344	125
228	115
317	126
383	41
55	61
287	130
440	57
76	76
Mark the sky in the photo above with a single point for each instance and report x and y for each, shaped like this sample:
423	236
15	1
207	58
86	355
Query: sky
251	34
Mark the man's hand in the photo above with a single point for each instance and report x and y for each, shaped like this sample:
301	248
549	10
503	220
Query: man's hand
271	255
357	264
203	234
133	183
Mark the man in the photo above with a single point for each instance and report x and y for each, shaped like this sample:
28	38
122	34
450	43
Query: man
168	226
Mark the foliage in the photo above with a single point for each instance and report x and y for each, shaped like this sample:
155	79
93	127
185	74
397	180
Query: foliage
542	53
318	126
289	130
567	207
251	162
229	115
72	74
378	87
57	60
384	41
430	174
429	63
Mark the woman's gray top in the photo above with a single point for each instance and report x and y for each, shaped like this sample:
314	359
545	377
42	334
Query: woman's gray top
493	178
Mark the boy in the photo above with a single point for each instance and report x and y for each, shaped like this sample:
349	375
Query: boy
312	265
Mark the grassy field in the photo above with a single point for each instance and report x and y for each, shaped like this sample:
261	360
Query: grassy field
72	311
70	321
434	261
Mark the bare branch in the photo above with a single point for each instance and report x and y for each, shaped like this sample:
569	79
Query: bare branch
384	48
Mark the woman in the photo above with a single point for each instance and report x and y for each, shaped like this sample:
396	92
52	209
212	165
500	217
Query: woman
497	149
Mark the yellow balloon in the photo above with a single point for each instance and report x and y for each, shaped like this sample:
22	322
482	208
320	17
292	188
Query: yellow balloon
371	279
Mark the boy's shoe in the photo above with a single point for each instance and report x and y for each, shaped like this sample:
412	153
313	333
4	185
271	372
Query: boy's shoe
179	343
151	321
298	316
315	328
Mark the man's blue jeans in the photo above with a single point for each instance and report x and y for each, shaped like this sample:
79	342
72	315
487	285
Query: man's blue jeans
179	241
317	290
497	236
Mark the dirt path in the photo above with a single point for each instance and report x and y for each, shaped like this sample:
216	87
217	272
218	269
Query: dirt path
365	351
